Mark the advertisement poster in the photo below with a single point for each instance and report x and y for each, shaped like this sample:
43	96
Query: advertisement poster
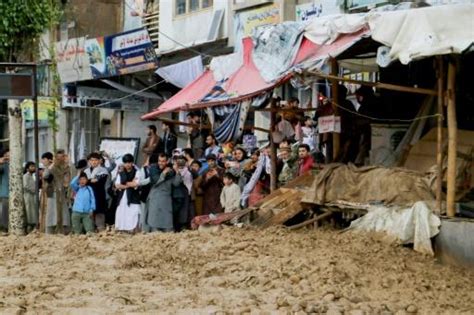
309	11
246	21
121	53
116	148
46	108
329	124
72	60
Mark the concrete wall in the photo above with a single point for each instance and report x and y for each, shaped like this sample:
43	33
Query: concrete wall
189	29
455	243
94	18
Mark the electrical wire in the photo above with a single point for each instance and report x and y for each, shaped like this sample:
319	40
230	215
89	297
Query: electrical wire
177	42
387	119
187	47
129	95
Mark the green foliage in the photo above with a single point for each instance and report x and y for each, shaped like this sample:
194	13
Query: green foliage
22	22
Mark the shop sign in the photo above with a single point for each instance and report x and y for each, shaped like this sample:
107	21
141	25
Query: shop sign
72	60
46	111
246	21
309	11
16	86
122	53
329	124
359	4
106	56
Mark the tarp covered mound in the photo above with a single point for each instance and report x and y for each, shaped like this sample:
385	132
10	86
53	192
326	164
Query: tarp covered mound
415	225
339	183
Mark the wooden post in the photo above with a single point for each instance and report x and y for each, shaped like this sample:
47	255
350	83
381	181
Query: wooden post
273	153
439	155
452	140
335	98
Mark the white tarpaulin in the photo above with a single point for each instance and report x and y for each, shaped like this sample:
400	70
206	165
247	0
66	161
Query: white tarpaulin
224	66
416	33
325	30
409	34
415	225
182	73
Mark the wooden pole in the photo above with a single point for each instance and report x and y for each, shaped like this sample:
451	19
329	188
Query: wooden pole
378	85
335	93
177	122
273	153
307	222
439	155
452	140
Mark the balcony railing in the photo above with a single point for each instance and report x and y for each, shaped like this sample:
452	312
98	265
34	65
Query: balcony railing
152	23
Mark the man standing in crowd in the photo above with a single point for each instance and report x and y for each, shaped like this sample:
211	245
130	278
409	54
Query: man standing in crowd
196	135
182	215
128	210
98	176
306	161
145	187
153	143
212	147
196	193
169	140
29	192
288	169
211	186
160	203
4	187
189	156
56	177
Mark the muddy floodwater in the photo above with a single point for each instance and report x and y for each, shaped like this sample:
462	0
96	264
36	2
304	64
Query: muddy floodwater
231	271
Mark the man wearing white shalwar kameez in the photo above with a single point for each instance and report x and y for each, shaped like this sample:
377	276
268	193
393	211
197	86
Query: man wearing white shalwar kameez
127	216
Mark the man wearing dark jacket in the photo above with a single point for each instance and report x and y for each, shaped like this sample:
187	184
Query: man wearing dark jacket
98	176
169	140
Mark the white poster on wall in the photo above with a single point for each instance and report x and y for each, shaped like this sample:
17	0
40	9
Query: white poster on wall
246	21
329	124
116	148
72	60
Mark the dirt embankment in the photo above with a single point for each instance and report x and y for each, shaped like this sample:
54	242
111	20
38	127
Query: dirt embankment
230	271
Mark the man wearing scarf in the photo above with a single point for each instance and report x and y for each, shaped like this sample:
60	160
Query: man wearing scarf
128	211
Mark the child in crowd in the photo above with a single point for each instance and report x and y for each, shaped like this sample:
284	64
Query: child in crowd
309	133
29	188
230	195
84	205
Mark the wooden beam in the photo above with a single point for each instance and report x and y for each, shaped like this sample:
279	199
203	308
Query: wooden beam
273	153
452	140
336	139
307	222
378	85
439	154
177	122
282	109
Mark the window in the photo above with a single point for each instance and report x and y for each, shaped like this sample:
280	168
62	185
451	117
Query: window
193	5
180	7
206	3
190	6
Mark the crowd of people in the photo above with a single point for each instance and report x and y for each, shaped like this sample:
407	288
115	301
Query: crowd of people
174	188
